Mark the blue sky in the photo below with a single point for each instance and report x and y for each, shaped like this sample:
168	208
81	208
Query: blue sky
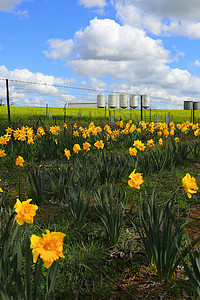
126	46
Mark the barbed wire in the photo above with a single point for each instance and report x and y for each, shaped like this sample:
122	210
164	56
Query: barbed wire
61	86
76	88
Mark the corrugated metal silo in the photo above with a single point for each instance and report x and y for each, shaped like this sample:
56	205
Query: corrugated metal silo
112	100
134	100
197	105
145	100
123	100
188	105
101	100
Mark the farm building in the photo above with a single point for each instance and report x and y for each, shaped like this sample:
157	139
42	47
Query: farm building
82	104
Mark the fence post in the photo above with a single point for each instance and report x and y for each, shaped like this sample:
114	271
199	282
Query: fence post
65	112
193	113
150	114
8	102
141	106
46	110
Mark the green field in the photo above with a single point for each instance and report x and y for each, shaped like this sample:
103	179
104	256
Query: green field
96	114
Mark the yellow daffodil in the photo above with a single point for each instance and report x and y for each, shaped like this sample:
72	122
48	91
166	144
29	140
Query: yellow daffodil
150	143
2	153
86	146
177	139
75	133
139	145
67	153
99	144
132	151
30	141
40	131
76	148
197	132
132	128
9	130
55	130
135	180
19	161
25	211
49	247
1	191
121	124
189	185
166	132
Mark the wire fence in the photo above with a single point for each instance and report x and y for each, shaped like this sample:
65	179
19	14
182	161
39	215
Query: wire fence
49	102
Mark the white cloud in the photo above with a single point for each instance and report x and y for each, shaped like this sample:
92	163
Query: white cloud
196	63
107	40
30	88
169	8
133	60
59	49
63	99
8	5
93	3
171	17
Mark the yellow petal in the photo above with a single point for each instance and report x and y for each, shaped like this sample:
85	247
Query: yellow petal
47	264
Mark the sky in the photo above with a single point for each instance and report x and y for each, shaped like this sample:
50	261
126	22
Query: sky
56	51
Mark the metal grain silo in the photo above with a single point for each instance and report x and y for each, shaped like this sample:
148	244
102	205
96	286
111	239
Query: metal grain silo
188	105
101	100
145	100
112	100
123	100
134	101
197	105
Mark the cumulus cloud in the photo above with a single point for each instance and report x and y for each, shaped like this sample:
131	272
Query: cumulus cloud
107	40
7	5
59	49
134	61
30	88
171	17
169	8
93	3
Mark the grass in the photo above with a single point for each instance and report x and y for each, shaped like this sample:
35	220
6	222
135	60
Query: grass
94	114
93	268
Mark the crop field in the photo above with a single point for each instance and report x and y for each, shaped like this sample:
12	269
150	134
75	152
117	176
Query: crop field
106	210
97	114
